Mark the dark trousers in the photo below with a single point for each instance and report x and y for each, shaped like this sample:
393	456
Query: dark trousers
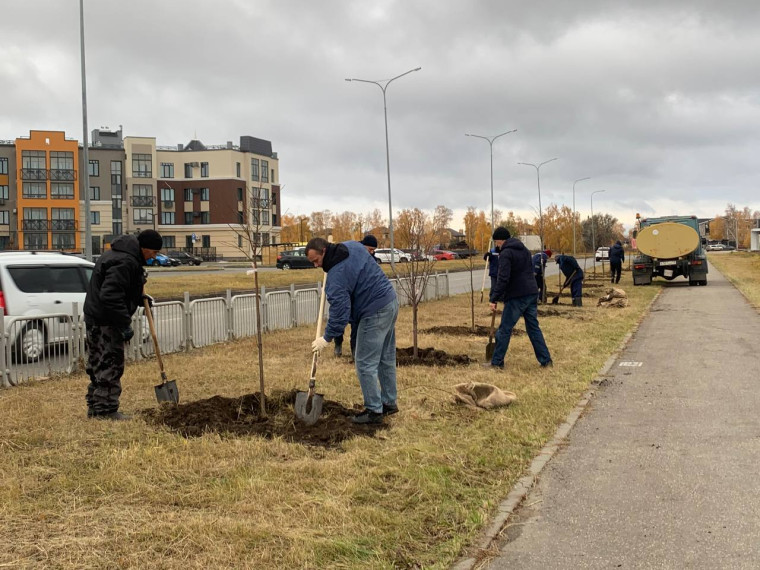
576	290
515	308
616	267
105	367
540	285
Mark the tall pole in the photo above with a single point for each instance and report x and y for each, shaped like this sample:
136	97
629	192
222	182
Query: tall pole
490	144
540	211
593	224
383	88
85	144
574	183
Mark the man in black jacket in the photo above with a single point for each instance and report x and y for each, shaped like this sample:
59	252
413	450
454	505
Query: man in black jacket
114	293
516	287
617	257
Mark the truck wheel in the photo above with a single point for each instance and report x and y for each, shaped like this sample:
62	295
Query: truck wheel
703	282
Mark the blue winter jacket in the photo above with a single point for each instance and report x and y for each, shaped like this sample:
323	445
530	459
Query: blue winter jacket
539	262
356	288
616	253
515	278
493	262
568	265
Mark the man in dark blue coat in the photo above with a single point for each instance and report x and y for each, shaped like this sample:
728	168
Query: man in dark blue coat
539	268
492	257
617	257
114	293
516	287
573	277
359	292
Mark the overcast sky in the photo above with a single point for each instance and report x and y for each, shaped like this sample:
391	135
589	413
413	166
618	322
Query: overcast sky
657	101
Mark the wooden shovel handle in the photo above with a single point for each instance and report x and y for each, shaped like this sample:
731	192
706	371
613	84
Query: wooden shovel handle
320	318
149	314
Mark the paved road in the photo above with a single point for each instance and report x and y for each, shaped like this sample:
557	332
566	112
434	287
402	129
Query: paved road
661	470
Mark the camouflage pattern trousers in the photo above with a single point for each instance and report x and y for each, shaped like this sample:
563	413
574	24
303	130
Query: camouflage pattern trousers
105	366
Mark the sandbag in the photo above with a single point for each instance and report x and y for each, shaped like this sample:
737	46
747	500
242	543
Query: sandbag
481	396
613	297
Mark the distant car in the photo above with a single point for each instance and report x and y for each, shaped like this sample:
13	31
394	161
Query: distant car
715	247
443	254
163	261
603	253
384	255
185	258
414	254
293	259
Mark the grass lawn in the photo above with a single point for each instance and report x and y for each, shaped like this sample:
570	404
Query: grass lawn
90	494
742	268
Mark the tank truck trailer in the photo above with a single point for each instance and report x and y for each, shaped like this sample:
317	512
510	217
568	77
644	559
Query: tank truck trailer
669	247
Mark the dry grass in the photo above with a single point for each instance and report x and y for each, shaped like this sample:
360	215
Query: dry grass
742	269
165	285
91	494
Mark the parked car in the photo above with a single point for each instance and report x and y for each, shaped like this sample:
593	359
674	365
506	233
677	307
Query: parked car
384	255
442	254
293	259
715	247
414	254
185	258
163	261
603	253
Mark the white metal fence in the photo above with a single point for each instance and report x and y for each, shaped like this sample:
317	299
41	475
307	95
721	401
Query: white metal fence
48	345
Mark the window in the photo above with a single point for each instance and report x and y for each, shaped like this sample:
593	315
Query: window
142	190
5	218
274	219
61	165
95	218
142	166
34	190
188	170
63	241
115	178
94	192
204	194
237	169
188	218
265	239
205	217
188	194
205	241
240	194
265	217
272	177
3	191
167	218
204	169
142	215
117	228
274	198
169	242
240	240
62	190
34	159
254	169
265	171
94	169
167	194
4	166
167	170
256	218
241	218
35	241
62	219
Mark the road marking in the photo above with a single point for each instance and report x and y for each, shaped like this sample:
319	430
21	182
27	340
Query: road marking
630	363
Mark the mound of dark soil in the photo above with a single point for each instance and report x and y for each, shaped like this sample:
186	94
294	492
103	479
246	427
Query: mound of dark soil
240	417
480	330
430	357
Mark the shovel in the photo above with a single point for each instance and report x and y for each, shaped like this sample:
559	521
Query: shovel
555	300
167	390
491	345
309	404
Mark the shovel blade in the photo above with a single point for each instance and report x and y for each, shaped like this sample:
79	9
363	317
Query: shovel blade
555	300
489	350
167	392
308	408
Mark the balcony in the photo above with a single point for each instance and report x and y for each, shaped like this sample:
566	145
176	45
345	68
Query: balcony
63	175
48	225
143	201
34	174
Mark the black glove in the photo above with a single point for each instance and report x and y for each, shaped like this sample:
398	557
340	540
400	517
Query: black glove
127	334
149	299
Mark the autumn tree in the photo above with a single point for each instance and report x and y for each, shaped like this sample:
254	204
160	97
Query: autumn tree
343	226
558	228
441	220
320	222
290	229
606	230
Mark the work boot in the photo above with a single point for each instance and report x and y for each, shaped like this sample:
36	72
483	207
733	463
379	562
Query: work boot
338	350
389	409
549	364
368	417
113	416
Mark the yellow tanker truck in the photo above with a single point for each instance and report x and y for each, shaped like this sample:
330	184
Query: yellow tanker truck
669	247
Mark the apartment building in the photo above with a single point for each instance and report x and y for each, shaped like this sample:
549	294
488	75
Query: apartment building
198	197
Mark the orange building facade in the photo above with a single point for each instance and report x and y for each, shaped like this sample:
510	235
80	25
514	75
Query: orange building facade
47	192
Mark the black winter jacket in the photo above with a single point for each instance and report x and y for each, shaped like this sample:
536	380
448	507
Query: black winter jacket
617	255
515	278
115	289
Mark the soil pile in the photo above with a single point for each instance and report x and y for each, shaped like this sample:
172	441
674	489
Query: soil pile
430	357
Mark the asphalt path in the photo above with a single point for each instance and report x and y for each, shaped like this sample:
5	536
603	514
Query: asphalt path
661	469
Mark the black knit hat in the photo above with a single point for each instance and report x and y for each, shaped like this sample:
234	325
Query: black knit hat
501	233
369	240
150	239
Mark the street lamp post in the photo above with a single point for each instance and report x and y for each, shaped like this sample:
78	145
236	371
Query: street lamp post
540	212
593	234
574	183
383	85
490	144
85	144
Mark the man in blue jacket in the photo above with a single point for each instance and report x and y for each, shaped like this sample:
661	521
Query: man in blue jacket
492	257
539	267
617	257
516	287
573	277
359	292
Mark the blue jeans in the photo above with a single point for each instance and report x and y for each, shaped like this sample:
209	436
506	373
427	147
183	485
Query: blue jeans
525	307
375	357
